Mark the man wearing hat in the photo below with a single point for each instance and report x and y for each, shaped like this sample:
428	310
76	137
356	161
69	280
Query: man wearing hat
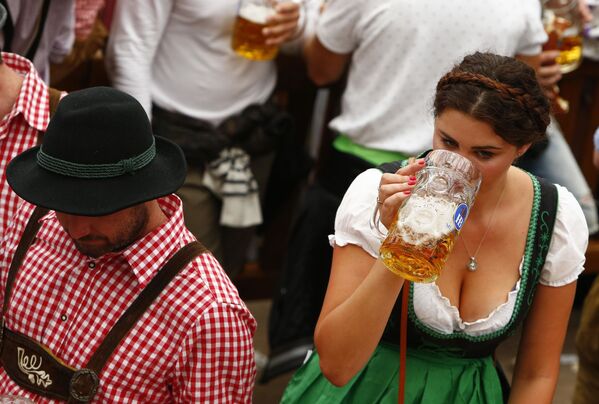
25	104
106	294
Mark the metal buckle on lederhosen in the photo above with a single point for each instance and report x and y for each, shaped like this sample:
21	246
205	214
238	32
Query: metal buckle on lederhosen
32	366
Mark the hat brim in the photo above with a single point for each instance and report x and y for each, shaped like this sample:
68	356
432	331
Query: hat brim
97	197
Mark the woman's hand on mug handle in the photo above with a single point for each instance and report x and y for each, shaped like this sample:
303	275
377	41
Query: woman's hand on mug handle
283	25
395	188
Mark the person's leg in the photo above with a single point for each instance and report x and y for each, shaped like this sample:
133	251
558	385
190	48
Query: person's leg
557	164
202	212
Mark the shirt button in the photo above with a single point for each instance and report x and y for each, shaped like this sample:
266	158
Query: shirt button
91	265
63	317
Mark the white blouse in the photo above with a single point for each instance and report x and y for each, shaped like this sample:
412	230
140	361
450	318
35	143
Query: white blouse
564	262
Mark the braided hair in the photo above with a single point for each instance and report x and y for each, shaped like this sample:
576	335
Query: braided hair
498	90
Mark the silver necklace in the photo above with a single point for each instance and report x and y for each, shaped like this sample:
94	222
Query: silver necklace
472	264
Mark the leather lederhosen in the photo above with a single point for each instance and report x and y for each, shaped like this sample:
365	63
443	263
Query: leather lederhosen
32	366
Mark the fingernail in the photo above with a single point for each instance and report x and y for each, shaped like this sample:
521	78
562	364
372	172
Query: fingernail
421	162
413	178
411	182
407	192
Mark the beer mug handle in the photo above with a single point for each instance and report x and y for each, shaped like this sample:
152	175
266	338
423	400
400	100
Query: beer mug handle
375	223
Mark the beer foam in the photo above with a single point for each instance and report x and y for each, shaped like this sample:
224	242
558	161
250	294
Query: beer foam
256	13
426	219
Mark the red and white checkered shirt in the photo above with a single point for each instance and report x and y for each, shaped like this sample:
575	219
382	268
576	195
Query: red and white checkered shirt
194	344
19	128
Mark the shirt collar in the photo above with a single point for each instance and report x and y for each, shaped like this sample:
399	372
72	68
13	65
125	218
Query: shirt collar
148	254
33	100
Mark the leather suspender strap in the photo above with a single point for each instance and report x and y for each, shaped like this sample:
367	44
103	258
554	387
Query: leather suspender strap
142	302
54	97
84	380
29	233
403	340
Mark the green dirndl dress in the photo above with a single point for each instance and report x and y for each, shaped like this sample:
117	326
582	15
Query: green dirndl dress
431	377
440	368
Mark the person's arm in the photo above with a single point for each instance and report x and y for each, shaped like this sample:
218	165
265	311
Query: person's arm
360	295
216	362
324	66
537	365
135	34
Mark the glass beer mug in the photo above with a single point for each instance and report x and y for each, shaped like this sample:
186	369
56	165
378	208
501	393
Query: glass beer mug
424	230
564	28
248	40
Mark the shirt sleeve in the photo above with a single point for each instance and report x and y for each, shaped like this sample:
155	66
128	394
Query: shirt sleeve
534	35
353	222
216	362
337	26
135	34
566	255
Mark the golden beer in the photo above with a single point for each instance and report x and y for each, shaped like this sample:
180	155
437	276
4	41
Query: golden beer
416	263
570	51
248	40
420	238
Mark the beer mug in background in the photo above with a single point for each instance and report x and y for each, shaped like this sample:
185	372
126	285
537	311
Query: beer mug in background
422	234
248	40
564	28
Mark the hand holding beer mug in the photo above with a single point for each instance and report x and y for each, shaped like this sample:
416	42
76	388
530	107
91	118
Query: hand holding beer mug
422	234
262	25
562	20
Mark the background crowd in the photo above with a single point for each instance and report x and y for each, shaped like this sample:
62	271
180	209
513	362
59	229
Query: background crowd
273	146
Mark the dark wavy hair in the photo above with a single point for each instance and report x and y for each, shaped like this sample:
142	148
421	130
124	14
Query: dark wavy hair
498	90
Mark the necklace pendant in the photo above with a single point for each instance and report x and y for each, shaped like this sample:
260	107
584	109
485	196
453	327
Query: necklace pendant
472	264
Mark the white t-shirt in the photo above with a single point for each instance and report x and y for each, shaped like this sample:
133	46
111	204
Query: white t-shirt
177	54
401	48
564	262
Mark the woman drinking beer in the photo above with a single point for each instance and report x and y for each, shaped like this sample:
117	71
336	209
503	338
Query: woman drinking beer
515	261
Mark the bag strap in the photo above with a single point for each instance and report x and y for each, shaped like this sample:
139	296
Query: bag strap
403	340
29	233
54	97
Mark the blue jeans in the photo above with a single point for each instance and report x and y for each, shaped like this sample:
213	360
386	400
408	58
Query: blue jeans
557	164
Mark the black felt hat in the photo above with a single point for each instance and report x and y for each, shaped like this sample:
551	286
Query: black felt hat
98	156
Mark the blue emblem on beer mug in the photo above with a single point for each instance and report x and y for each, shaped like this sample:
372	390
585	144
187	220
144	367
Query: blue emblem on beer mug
459	217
